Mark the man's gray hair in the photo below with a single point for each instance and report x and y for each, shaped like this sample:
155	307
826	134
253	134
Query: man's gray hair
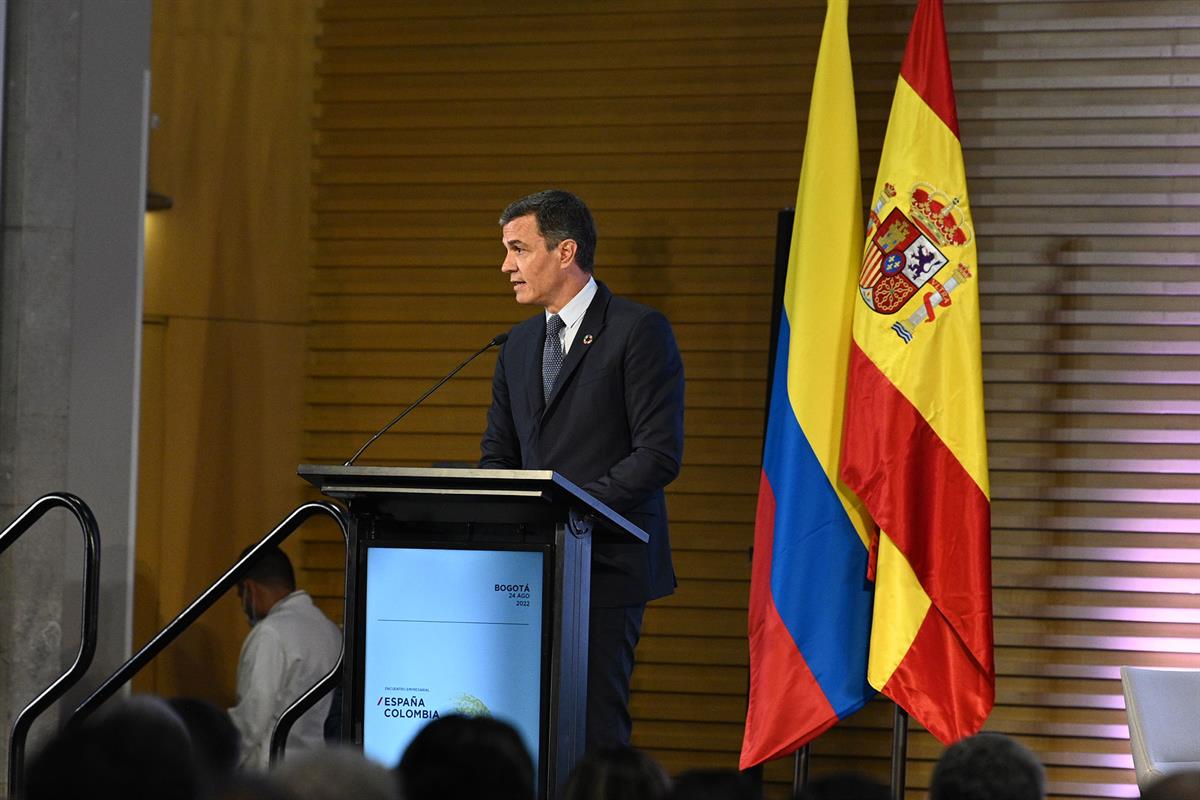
560	216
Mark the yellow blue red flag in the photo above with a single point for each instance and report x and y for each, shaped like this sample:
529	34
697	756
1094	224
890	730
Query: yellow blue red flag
810	600
915	449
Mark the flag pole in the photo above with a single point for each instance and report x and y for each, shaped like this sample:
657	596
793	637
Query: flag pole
899	751
800	771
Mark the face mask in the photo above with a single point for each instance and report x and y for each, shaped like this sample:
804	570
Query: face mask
248	606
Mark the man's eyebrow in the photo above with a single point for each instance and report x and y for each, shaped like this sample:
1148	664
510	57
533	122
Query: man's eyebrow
515	243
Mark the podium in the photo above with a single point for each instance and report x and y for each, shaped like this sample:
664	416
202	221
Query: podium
467	591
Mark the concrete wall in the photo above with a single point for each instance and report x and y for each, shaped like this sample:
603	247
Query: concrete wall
70	317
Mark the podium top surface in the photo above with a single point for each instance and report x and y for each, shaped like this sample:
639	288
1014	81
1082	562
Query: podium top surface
465	484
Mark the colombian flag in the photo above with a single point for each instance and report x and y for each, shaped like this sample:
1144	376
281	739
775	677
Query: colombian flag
914	447
810	601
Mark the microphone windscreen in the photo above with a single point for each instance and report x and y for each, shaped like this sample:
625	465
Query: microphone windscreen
499	339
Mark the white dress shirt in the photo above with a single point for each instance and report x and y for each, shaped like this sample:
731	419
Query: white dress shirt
289	650
572	313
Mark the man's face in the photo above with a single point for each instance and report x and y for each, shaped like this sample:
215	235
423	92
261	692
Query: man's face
246	591
539	276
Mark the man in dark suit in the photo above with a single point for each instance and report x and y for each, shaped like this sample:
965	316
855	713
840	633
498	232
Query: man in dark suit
593	389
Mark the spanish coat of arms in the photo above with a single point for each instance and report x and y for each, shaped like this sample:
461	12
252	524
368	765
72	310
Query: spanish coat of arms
905	251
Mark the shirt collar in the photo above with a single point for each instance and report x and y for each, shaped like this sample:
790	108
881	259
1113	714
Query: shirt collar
288	600
573	312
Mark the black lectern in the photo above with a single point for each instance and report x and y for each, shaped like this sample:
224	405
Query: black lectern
467	591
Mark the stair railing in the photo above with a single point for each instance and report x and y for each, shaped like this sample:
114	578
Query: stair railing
207	598
90	613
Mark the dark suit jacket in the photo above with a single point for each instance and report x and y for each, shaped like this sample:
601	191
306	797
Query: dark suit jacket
613	425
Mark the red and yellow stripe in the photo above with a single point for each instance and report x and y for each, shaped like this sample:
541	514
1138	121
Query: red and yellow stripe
914	446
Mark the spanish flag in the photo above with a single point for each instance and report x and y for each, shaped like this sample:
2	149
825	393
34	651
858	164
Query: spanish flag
914	446
810	600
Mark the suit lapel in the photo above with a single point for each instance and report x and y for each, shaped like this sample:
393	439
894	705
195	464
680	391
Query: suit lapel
591	328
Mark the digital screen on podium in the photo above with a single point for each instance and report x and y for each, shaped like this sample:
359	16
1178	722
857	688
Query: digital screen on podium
450	631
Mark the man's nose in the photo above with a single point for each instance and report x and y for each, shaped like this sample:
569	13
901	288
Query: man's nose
509	264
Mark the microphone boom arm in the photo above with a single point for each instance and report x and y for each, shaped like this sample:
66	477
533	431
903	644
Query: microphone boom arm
497	340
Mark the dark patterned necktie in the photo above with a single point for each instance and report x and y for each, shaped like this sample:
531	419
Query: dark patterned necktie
552	355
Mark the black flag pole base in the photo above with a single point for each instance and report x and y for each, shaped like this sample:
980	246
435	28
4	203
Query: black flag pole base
899	752
800	771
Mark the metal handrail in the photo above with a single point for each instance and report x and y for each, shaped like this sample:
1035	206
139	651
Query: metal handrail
90	613
283	725
207	598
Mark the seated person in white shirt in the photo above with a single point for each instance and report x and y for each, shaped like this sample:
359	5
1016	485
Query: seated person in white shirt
291	646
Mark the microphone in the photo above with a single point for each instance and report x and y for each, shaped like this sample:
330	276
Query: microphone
495	342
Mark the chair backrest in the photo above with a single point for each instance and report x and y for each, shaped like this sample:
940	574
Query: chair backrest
1163	708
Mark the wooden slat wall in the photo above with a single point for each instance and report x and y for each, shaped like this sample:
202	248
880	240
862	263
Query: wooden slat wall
1081	142
681	122
225	316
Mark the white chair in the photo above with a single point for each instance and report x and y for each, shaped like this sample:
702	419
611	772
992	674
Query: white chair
1163	707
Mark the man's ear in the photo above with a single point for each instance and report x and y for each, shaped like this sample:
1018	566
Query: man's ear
566	251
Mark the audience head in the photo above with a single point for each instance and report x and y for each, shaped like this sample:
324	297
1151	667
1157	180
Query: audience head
714	784
988	766
136	747
1183	785
463	758
617	773
336	773
215	740
251	786
844	786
